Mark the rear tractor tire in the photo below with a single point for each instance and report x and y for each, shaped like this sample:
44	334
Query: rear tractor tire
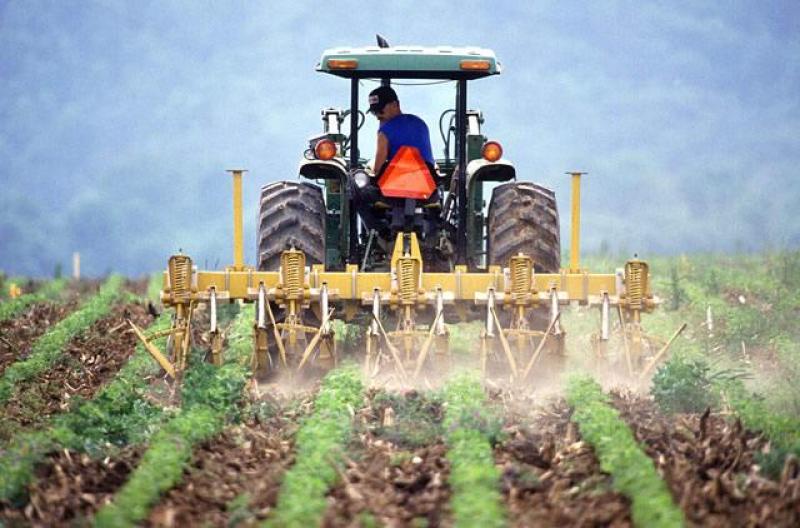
291	215
523	218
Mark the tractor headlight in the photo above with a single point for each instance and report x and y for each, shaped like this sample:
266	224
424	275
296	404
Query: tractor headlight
361	178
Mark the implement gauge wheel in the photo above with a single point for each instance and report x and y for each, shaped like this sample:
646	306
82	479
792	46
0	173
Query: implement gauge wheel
523	217
291	214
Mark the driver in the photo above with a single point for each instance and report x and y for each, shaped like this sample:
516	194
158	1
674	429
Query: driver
396	128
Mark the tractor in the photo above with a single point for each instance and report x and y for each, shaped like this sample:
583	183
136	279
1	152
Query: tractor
436	258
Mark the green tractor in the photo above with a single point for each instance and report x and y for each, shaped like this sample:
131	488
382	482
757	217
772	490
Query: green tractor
415	258
452	226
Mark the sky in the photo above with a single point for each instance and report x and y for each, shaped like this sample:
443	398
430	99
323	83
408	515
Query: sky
118	119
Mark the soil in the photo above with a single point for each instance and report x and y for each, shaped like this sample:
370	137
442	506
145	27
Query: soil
550	477
88	362
70	487
709	464
235	477
17	335
389	478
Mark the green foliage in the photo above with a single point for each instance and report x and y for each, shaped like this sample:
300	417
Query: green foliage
117	415
470	427
415	423
18	461
620	455
463	337
683	384
211	396
48	347
784	391
347	335
154	286
467	408
161	466
677	295
14	307
319	443
239	510
783	431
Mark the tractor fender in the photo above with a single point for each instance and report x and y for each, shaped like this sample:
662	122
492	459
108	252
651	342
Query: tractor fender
315	169
483	170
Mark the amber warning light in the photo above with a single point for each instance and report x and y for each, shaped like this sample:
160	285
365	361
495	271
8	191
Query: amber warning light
325	149
492	151
475	65
342	64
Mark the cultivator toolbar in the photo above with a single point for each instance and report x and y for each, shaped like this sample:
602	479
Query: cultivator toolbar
295	307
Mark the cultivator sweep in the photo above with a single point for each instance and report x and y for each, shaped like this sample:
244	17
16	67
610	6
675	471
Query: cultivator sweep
406	260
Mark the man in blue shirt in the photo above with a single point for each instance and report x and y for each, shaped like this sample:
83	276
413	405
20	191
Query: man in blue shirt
396	128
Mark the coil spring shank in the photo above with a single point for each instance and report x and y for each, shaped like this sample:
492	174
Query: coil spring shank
407	280
180	277
293	265
635	283
521	275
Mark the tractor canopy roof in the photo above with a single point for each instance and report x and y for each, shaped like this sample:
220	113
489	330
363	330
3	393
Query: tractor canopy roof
410	62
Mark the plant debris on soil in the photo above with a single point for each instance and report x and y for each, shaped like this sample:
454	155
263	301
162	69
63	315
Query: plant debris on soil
710	465
552	478
18	334
70	487
88	362
234	478
389	477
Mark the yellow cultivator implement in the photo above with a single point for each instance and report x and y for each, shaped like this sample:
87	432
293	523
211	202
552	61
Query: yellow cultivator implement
419	305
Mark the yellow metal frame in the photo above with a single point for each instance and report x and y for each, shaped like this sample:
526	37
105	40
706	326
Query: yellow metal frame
353	285
405	289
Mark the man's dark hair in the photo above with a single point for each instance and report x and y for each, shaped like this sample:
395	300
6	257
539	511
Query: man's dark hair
380	97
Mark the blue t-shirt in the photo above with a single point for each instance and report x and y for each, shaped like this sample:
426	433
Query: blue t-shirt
408	130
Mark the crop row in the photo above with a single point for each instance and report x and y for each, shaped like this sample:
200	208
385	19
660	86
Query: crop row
620	455
13	307
211	396
470	426
117	415
782	431
319	445
49	346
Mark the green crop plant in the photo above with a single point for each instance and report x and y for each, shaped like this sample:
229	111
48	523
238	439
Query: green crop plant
684	384
48	347
117	415
13	307
463	337
783	431
319	445
471	426
415	418
620	455
154	286
211	397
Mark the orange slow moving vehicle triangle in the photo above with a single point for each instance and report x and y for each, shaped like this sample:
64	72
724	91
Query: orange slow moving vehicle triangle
407	176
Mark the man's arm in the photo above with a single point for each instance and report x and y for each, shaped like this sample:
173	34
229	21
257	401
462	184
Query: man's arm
381	152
